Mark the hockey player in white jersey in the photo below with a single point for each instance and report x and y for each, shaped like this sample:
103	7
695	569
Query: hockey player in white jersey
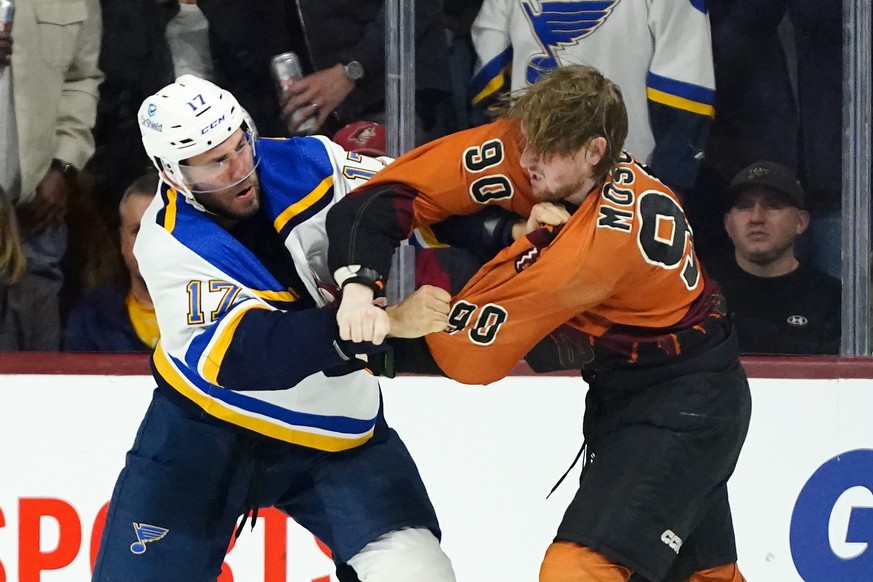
259	402
658	52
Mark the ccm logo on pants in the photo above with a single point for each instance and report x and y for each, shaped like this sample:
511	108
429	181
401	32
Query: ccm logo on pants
673	541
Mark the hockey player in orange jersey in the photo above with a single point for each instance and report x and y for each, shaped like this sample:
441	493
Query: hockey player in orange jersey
601	276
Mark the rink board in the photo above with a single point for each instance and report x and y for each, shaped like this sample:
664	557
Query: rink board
489	457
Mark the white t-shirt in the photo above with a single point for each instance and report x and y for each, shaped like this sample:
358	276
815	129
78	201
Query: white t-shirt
188	36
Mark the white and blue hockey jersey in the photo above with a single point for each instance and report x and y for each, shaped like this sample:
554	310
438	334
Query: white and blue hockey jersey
211	295
657	51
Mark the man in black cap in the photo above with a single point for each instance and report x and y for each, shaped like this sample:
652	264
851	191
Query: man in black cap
781	305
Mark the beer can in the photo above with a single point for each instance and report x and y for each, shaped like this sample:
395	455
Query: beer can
287	70
7	15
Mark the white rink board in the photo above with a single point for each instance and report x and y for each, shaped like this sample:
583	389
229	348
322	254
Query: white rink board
489	456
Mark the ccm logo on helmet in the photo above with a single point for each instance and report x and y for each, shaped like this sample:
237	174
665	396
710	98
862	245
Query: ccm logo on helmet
213	124
146	122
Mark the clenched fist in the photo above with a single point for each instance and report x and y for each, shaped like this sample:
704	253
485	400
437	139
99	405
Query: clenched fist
546	214
358	319
425	311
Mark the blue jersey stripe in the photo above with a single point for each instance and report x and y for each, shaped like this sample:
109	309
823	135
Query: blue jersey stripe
491	79
207	239
337	424
681	89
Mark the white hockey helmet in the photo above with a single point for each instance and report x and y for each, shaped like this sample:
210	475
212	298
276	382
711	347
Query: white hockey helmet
187	118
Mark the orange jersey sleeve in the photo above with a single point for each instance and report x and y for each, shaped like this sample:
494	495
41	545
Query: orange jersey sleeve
625	257
463	172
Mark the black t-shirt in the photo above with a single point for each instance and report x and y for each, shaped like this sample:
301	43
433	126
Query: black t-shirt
797	313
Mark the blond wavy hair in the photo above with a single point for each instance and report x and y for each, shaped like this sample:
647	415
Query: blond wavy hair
568	107
12	258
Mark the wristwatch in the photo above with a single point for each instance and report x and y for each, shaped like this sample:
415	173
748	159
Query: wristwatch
363	275
66	169
354	71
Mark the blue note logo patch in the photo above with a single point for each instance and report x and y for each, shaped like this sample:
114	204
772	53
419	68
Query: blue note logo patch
146	534
560	24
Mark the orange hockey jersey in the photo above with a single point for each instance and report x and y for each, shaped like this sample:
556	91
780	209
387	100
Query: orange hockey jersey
462	173
620	280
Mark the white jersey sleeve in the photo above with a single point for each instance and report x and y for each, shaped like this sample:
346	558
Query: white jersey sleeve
681	73
493	45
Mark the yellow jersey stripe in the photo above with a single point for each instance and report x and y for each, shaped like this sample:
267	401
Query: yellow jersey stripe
301	205
680	102
492	87
215	356
430	239
216	408
170	214
286	296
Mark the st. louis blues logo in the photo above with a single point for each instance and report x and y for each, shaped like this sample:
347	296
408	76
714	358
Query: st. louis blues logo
146	534
560	24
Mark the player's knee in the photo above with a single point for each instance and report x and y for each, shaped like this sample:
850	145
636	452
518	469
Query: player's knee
569	562
725	573
406	555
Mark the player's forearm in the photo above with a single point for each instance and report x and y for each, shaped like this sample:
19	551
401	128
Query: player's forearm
679	140
272	350
483	233
364	229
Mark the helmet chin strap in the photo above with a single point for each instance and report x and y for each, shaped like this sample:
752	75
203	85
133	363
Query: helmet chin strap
189	196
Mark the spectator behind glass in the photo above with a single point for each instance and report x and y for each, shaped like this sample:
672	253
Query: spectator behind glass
363	137
119	317
328	37
48	101
818	41
781	305
460	15
137	61
757	114
18	291
188	37
146	44
658	52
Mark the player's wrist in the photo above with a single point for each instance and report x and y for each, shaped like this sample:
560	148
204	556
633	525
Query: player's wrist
519	228
361	276
358	293
395	321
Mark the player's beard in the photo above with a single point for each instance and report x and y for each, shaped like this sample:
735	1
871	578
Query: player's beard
235	203
574	191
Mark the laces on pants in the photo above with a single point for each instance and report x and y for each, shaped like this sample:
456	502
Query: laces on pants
252	498
587	459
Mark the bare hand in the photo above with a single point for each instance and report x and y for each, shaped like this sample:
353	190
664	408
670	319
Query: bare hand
5	48
49	204
546	214
319	94
358	319
425	311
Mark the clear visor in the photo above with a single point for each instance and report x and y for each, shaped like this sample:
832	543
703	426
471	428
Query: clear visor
227	172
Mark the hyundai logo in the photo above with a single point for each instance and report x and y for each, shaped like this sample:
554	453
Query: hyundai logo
797	320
